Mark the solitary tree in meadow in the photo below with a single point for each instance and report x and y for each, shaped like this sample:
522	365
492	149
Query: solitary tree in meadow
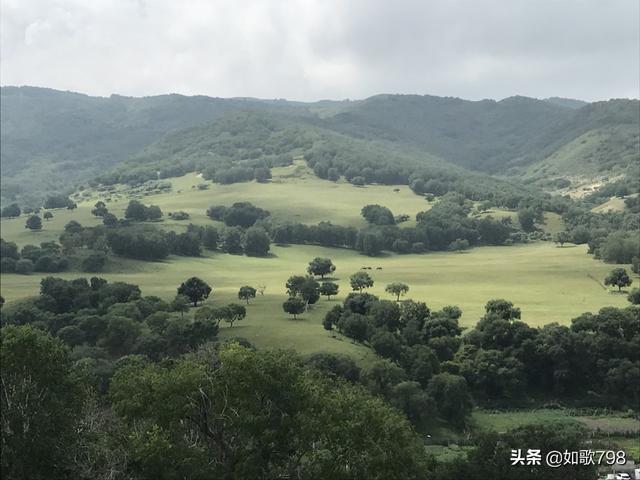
398	289
360	281
321	266
294	306
247	293
328	289
618	278
196	289
48	216
34	223
562	238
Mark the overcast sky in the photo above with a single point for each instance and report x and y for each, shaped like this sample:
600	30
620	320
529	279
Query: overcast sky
309	50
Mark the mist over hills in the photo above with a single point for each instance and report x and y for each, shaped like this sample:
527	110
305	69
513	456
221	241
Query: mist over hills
53	141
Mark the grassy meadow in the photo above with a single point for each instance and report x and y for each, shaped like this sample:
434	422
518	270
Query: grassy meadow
549	284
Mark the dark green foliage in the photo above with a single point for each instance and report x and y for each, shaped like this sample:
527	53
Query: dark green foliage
58	201
246	293
329	289
294	306
492	454
140	212
360	281
24	266
618	278
256	242
34	223
335	365
377	215
232	240
634	296
321	266
94	262
140	244
240	214
41	398
170	411
10	211
196	289
452	397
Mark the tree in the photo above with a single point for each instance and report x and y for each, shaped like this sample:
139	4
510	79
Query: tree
196	289
329	289
136	211
232	240
10	211
234	312
246	293
377	215
99	209
94	262
34	223
41	397
294	285
361	280
24	266
109	220
634	296
527	218
452	397
562	238
321	266
256	242
180	304
47	216
398	289
635	265
310	290
294	306
618	278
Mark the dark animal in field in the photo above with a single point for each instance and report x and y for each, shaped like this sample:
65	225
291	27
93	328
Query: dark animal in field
378	268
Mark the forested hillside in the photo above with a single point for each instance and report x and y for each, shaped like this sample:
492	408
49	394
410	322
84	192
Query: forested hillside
54	141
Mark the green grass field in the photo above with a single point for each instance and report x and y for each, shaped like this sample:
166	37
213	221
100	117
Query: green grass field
548	283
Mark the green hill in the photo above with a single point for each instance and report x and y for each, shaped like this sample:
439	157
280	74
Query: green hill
54	141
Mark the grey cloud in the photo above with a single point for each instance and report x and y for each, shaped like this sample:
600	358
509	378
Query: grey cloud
311	49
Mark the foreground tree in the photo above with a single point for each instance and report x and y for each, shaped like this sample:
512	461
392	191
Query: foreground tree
398	289
321	266
618	278
247	293
238	413
40	398
195	289
233	312
294	306
360	281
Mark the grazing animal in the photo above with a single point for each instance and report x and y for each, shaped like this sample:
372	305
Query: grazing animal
378	268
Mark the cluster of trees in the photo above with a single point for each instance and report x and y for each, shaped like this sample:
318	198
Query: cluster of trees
502	362
240	214
59	201
224	411
612	236
47	257
139	212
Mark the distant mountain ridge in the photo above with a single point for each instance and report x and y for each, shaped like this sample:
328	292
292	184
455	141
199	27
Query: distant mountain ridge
54	141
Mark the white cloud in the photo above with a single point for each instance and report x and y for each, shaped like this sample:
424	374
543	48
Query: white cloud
311	49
